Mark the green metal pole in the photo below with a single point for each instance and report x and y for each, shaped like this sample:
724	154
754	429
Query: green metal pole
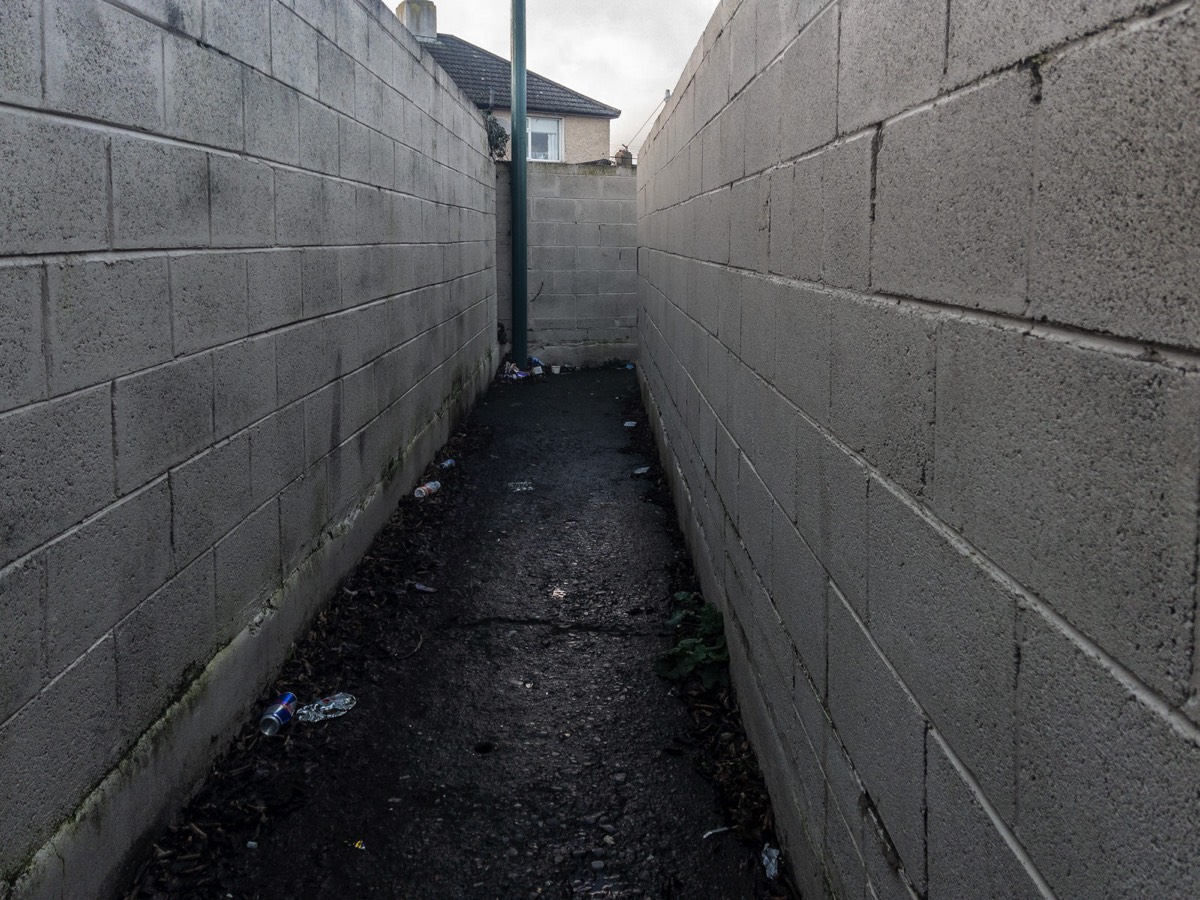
520	192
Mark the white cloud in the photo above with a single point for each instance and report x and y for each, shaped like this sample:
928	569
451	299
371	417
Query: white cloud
623	54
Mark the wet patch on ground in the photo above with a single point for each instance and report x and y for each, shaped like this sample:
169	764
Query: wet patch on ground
510	737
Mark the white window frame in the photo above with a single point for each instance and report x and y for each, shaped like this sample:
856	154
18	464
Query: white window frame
506	121
559	133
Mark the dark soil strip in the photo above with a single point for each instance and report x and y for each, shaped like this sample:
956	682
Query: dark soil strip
510	737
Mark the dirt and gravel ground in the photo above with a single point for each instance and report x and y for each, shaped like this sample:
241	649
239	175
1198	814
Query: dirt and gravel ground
510	737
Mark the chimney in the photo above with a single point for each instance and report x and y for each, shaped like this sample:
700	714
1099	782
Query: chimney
419	17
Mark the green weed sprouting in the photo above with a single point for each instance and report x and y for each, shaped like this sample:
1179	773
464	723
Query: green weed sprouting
700	643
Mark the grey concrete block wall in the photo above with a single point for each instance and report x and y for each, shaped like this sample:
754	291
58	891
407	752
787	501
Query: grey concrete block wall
219	215
921	354
582	261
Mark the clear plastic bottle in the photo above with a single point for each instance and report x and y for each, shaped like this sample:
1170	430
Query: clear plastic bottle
277	714
429	487
326	708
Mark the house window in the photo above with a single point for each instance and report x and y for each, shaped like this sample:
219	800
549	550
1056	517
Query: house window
545	139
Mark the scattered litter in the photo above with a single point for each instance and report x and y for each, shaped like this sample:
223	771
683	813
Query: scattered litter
770	861
537	370
429	487
448	464
423	588
513	372
644	470
536	362
251	845
554	370
520	487
326	708
558	594
395	799
277	714
358	845
713	831
630	366
631	424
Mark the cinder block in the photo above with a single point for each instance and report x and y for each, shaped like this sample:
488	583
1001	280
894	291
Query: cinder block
322	280
882	388
1088	496
22	367
986	36
318	137
323	422
339	217
243	202
336	77
845	869
54	750
248	570
733	125
164	642
244	387
968	854
354	141
947	628
242	29
866	701
160	195
293	50
382	169
23	598
798	587
797	239
369	100
272	118
802	340
297	195
1106	787
203	94
181	15
846	209
353	28
21	52
53	186
757	303
811	88
954	182
742	30
208	292
887	879
891	58
161	417
320	14
832	492
1115	223
765	96
305	508
104	63
779	21
304	360
750	224
275	288
97	574
209	495
276	451
106	319
41	443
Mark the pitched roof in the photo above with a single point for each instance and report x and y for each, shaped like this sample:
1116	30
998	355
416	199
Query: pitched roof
486	78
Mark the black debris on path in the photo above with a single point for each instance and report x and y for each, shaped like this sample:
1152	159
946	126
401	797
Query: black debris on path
510	737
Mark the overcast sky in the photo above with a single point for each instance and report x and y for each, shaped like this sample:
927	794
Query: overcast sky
620	53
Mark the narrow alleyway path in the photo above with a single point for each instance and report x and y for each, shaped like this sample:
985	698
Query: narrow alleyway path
510	738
